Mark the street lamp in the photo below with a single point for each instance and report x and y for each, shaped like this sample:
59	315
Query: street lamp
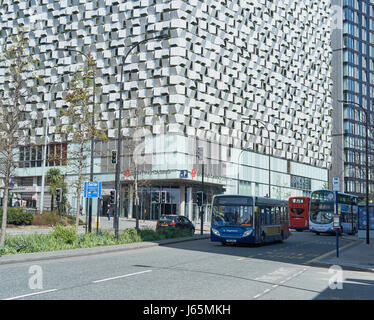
92	139
265	127
238	178
367	118
119	136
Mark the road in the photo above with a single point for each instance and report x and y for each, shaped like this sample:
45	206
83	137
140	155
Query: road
192	270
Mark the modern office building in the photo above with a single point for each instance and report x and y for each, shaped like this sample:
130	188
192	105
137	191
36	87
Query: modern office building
353	81
224	62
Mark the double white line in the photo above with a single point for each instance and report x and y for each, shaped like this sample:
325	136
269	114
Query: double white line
96	281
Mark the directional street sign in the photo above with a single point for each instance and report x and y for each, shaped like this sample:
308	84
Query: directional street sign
92	189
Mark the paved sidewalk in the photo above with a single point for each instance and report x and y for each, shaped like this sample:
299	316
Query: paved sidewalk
356	255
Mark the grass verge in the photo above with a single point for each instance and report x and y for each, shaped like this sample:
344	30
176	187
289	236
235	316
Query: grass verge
64	238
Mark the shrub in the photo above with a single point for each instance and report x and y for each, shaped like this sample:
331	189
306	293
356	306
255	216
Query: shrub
17	216
66	234
28	243
48	218
52	218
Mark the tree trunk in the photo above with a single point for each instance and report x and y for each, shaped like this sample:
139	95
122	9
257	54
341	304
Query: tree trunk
136	199
5	211
80	168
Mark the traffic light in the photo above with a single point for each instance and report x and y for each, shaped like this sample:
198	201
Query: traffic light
114	156
58	194
112	196
163	197
200	198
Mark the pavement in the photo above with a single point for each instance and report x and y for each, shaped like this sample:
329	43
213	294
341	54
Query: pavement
356	255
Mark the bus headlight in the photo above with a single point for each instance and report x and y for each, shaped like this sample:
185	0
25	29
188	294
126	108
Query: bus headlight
247	233
216	232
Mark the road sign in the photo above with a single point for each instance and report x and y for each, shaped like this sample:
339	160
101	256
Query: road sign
336	183
92	189
336	221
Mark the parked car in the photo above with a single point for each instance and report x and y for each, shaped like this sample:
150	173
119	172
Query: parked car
175	221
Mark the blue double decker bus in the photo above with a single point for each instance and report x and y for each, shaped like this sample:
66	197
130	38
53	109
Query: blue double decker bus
247	219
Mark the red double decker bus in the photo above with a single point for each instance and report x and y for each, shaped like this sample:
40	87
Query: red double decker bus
298	208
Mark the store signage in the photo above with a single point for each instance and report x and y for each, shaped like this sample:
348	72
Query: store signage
183	174
127	173
193	173
301	182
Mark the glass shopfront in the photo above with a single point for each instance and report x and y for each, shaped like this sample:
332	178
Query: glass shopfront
155	201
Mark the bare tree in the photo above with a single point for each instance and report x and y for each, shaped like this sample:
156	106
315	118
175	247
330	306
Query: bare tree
77	126
137	160
14	124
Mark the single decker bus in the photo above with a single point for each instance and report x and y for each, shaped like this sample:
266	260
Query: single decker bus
248	219
325	203
298	208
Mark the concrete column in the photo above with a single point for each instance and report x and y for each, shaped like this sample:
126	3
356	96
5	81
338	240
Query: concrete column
189	201
182	204
131	202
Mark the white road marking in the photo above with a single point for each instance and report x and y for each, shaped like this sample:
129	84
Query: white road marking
276	275
31	294
123	276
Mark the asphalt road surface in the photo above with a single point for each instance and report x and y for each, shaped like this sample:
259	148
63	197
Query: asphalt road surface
192	270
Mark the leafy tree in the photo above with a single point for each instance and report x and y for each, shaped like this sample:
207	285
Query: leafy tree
15	126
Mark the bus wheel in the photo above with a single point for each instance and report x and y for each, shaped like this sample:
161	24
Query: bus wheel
317	233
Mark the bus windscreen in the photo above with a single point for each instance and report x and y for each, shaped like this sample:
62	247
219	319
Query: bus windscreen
232	211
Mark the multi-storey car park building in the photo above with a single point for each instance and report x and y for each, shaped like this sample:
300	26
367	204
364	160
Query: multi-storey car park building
353	79
223	61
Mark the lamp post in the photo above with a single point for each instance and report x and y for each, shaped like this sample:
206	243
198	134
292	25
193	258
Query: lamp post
269	158
238	177
119	136
367	121
92	139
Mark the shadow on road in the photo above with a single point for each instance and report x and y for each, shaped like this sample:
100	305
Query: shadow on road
300	248
351	289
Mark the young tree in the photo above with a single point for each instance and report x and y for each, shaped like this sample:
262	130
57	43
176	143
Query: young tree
17	66
55	180
77	126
